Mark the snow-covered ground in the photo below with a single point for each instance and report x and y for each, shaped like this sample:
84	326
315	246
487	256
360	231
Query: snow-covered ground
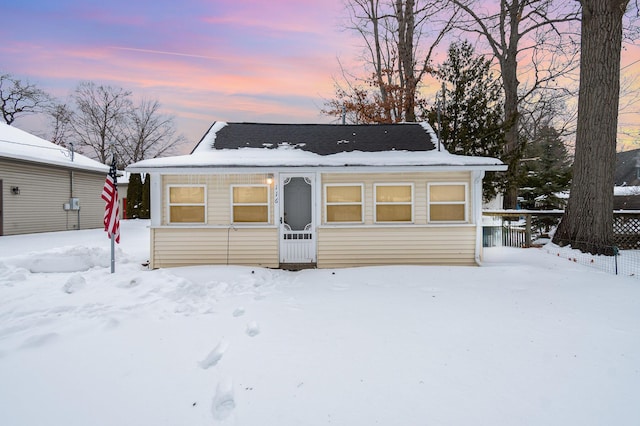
527	339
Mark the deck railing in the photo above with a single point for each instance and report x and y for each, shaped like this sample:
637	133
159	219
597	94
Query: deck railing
515	229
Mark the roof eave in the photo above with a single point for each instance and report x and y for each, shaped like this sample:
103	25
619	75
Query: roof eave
42	162
243	168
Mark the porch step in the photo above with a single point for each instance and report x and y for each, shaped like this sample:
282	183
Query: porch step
297	266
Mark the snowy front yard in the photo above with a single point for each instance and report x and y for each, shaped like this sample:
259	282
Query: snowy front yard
526	339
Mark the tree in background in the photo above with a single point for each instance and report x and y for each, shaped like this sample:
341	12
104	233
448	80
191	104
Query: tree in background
527	38
18	98
105	119
138	197
145	204
394	33
60	116
470	118
134	196
148	134
100	119
546	175
587	224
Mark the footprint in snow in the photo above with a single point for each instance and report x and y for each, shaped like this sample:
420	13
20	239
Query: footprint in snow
214	356
253	329
74	283
238	312
223	401
39	340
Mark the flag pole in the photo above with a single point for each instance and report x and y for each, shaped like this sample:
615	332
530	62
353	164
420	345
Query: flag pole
113	236
111	210
113	253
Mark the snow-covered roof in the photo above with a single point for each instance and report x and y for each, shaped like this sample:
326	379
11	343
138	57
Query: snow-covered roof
317	145
20	145
621	191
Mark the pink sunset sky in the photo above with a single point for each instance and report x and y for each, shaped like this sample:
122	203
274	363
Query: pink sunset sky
204	60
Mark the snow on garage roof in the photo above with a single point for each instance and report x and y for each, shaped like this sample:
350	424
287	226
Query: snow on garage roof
19	145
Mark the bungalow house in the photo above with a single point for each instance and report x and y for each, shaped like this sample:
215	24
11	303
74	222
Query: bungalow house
44	187
294	195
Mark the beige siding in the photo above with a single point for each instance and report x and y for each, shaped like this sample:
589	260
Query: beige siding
337	246
218	193
88	188
43	192
214	246
408	245
419	181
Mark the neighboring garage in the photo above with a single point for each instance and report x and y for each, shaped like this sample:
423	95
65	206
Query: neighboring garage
44	187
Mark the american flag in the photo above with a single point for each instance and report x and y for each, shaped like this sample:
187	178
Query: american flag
111	209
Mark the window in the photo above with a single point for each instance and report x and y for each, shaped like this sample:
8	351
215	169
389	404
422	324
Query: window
187	204
343	203
394	202
447	202
250	203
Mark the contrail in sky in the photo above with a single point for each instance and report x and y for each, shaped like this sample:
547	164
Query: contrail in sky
161	52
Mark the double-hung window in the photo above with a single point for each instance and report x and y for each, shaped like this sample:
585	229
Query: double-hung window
393	202
447	202
343	203
250	203
187	203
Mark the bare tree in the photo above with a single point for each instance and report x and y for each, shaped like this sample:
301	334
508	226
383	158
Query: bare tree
515	30
17	98
60	117
101	118
394	34
150	133
588	220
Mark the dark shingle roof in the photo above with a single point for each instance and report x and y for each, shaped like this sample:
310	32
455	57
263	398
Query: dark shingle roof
627	163
326	139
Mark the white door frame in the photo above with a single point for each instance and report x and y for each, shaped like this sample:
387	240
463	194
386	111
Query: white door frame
297	246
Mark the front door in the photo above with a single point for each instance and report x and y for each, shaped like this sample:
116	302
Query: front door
297	224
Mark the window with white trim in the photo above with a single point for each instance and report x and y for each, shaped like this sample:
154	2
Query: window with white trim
447	202
343	203
187	203
393	202
250	203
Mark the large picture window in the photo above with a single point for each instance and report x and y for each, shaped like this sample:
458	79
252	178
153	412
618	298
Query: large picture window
393	202
343	203
250	203
447	202
187	204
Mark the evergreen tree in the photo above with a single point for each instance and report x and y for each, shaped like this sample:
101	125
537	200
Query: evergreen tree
145	204
134	196
546	173
471	114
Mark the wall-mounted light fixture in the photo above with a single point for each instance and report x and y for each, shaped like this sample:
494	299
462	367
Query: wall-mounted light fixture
269	179
15	190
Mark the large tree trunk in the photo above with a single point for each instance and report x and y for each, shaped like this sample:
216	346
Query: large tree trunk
509	68
512	153
587	224
406	59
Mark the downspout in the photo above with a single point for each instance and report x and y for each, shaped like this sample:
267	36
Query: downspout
477	176
72	181
155	208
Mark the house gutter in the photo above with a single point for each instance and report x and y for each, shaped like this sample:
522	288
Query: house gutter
345	168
